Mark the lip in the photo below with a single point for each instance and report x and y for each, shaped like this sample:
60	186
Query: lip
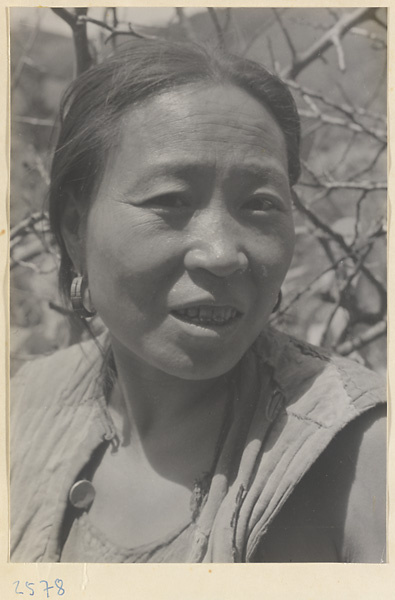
192	325
209	302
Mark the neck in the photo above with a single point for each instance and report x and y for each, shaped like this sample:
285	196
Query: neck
150	403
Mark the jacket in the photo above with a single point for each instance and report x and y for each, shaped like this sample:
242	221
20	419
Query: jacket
279	428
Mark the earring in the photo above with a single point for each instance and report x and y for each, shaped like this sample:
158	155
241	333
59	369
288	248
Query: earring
279	299
79	296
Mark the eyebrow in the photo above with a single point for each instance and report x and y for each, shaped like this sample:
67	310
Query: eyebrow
182	168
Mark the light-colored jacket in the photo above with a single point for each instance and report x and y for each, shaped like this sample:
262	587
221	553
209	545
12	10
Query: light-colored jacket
293	399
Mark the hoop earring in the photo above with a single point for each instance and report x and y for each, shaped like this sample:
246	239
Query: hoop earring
279	299
78	290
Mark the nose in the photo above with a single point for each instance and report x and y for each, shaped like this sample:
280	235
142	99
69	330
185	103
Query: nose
215	245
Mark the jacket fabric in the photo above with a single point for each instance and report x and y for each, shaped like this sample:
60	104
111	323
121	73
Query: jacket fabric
291	401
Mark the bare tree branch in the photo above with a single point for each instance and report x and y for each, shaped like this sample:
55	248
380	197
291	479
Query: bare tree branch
185	24
78	26
367	186
340	52
286	34
343	291
376	133
34	121
217	25
372	163
344	246
359	341
66	15
346	108
336	32
379	21
25	57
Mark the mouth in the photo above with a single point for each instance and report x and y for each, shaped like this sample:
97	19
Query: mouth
208	316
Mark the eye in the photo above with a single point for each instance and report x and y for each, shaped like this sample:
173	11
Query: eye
261	203
168	201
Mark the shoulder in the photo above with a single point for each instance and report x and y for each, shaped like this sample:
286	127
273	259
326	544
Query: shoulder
58	370
303	370
337	510
46	387
356	463
337	513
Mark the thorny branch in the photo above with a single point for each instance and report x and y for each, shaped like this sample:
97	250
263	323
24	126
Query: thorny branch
342	292
376	133
367	186
349	250
330	38
116	30
348	109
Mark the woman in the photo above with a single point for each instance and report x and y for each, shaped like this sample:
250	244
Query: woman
189	431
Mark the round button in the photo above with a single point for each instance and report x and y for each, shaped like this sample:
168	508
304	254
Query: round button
82	494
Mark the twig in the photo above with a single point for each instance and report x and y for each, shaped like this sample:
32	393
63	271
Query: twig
309	286
342	292
274	63
34	121
185	24
23	227
359	341
358	215
344	246
340	52
376	133
368	186
371	164
78	26
348	109
371	36
379	21
23	60
66	16
317	49
103	24
217	25
286	34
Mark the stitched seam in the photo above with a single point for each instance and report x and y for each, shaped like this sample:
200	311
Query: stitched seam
308	419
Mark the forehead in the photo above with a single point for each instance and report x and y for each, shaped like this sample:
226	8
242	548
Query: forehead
199	126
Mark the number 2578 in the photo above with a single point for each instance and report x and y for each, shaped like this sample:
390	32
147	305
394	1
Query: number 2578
29	589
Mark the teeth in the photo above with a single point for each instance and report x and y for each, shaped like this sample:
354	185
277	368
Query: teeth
207	314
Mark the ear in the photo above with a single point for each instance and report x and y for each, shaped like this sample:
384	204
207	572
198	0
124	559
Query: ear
73	229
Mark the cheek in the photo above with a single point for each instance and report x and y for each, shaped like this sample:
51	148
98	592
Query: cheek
129	259
273	249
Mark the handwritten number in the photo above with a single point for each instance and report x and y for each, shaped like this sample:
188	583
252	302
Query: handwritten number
30	586
31	590
16	587
59	585
47	587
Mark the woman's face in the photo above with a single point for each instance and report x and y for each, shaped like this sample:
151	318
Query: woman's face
191	233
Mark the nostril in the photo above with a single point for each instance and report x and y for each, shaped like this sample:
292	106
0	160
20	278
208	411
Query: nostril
221	264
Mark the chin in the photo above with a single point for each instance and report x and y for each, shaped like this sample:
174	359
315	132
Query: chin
200	370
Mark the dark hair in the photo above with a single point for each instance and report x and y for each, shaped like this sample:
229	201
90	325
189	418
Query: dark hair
92	106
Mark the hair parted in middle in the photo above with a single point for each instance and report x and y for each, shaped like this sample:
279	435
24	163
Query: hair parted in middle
92	107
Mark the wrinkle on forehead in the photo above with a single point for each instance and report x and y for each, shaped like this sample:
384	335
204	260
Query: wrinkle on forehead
197	104
195	128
